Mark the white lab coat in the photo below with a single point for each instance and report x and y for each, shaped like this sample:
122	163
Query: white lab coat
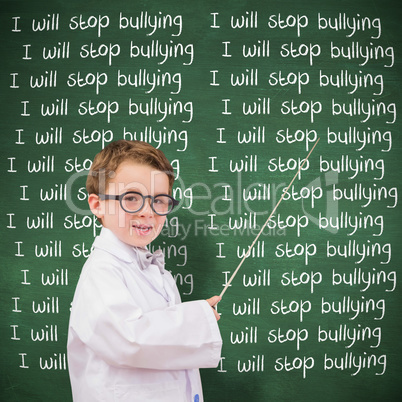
130	338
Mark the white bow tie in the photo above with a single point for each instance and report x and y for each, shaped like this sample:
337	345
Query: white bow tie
146	258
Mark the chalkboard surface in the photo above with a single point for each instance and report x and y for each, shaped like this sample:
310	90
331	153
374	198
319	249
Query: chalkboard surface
235	94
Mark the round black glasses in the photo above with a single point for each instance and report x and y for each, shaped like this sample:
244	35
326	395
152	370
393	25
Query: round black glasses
132	201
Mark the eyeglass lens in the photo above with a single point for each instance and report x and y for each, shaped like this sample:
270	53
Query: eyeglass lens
134	202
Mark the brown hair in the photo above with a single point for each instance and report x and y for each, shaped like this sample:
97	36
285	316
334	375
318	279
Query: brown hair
109	159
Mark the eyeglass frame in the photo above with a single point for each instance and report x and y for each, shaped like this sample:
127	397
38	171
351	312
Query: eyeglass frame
151	197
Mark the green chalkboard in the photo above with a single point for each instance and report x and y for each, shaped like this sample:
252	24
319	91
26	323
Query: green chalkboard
236	94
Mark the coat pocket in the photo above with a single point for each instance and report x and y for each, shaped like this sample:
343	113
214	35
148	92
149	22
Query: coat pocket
172	391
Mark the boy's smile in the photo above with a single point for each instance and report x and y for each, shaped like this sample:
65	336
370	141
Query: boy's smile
141	227
141	230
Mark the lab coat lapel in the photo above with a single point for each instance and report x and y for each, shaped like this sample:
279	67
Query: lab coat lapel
151	266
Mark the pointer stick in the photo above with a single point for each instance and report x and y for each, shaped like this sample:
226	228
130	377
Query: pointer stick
266	222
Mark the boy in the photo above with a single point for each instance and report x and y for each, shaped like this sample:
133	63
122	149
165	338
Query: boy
130	338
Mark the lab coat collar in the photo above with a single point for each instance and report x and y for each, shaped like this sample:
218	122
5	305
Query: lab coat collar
108	241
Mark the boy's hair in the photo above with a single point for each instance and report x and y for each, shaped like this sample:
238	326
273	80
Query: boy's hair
112	156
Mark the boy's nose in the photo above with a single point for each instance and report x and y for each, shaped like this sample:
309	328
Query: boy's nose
146	210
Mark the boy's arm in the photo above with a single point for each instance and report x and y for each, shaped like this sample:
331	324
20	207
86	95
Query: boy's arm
108	321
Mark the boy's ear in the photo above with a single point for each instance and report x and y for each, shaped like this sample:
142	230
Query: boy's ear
95	205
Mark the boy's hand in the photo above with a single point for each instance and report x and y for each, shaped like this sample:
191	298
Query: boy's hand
213	301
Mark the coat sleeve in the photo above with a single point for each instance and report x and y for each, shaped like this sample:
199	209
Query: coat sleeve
106	318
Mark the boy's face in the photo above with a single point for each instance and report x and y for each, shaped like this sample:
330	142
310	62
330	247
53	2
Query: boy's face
139	228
